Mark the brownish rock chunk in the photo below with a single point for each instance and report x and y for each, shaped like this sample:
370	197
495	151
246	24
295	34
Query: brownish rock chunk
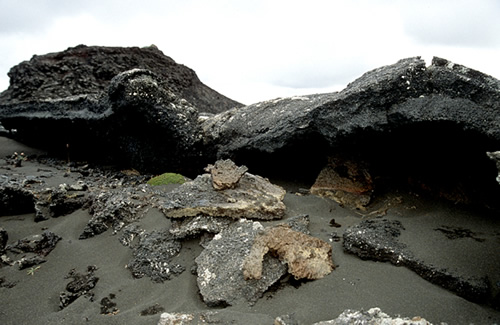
225	174
307	257
346	181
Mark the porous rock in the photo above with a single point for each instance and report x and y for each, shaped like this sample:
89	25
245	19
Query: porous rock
346	181
222	316
80	285
307	257
194	226
373	316
377	239
60	201
153	256
225	174
114	209
220	265
254	198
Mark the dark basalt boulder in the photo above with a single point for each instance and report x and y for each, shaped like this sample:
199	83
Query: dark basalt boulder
430	126
88	70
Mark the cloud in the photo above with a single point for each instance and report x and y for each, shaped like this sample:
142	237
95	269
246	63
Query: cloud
453	22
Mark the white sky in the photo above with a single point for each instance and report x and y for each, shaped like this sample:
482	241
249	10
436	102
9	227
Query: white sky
254	50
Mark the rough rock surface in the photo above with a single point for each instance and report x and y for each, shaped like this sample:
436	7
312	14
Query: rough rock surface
496	157
83	70
373	316
194	226
345	181
220	266
225	174
153	256
377	239
253	198
115	209
137	123
404	120
307	257
80	285
14	199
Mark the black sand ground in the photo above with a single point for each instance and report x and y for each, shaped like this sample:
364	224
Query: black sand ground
355	284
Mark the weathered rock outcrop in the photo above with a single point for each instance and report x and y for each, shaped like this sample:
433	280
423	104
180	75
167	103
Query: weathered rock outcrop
406	120
86	70
128	106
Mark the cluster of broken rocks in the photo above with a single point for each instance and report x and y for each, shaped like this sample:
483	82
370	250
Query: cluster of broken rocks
429	128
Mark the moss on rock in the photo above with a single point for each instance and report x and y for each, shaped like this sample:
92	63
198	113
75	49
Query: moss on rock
167	178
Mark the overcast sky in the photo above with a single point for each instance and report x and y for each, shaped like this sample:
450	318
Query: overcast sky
254	50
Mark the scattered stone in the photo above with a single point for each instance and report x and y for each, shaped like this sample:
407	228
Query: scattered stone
41	244
115	209
4	237
81	285
153	256
14	199
152	310
225	174
6	284
286	320
307	257
346	181
60	201
253	198
26	262
130	233
373	316
108	307
377	239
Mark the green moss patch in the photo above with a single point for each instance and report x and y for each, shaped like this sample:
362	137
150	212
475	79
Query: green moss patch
167	178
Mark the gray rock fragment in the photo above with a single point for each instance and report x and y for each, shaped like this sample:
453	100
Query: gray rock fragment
219	267
225	174
153	256
193	226
115	209
373	316
377	239
214	317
